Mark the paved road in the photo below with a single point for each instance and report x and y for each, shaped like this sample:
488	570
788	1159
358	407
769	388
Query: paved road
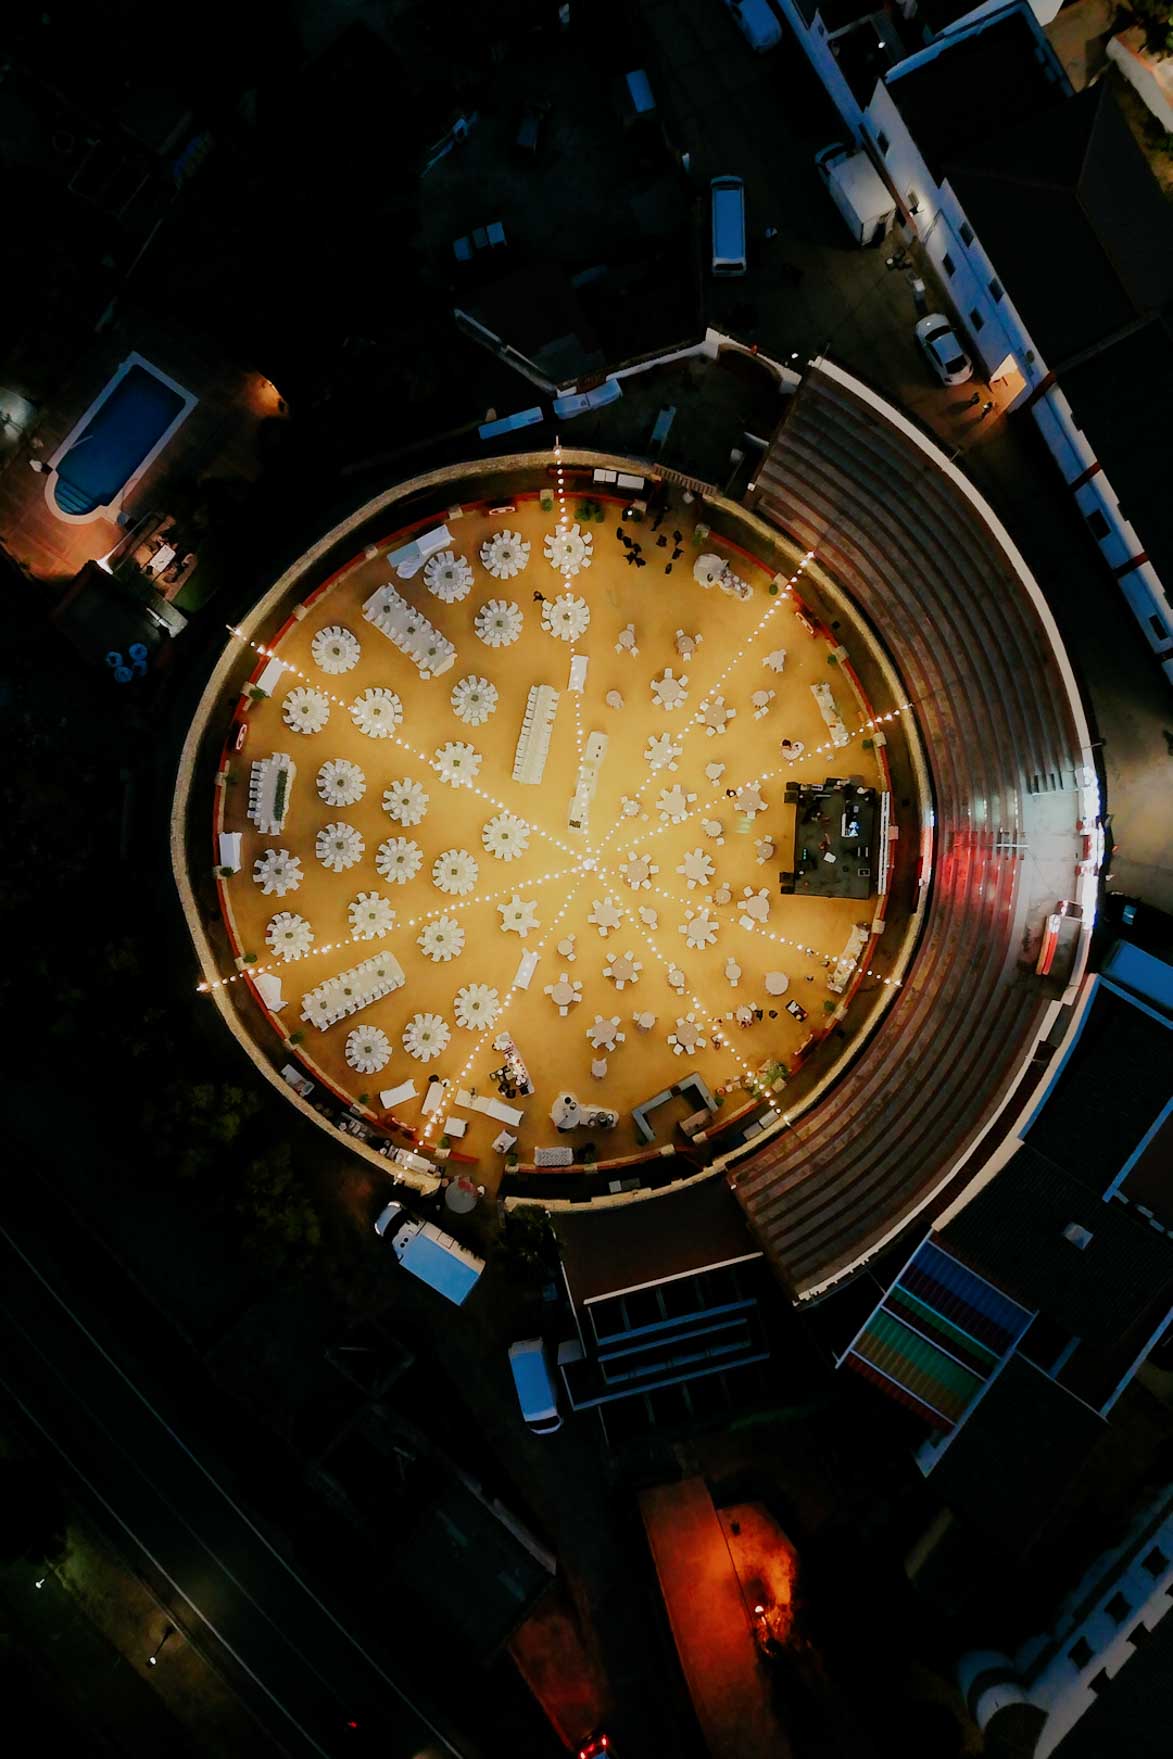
302	1669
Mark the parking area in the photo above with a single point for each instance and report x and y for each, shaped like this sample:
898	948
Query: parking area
809	288
592	212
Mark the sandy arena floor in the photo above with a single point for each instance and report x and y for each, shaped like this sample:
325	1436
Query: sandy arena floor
562	873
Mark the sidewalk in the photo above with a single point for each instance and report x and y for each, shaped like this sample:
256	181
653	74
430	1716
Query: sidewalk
82	1641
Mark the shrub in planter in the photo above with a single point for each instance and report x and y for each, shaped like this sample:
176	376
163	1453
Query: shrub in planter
250	958
225	872
297	1038
256	694
868	744
832	659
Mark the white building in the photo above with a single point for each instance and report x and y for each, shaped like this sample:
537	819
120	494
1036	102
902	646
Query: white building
1112	1611
1052	239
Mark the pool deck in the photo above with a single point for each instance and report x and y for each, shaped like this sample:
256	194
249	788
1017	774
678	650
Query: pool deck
220	434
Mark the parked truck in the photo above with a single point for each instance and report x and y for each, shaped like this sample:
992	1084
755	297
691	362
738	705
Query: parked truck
858	191
431	1255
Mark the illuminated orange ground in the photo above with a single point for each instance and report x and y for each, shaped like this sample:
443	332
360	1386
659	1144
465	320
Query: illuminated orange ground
553	873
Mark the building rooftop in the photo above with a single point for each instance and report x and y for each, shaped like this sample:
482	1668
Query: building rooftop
1143	974
1120	395
449	1534
608	1250
706	1606
1108	1293
972	85
1007	1470
1074	222
1133	1716
1149	1182
669	1312
1112	1087
937	1336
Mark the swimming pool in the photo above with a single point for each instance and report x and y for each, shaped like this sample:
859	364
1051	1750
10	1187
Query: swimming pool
122	431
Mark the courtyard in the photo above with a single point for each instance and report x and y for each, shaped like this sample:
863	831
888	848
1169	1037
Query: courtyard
550	868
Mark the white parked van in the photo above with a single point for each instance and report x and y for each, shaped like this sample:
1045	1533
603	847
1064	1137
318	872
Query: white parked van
728	199
757	22
635	99
580	402
535	1385
858	191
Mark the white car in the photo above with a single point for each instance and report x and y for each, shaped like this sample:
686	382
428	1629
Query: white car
579	402
941	346
757	22
534	1382
392	1213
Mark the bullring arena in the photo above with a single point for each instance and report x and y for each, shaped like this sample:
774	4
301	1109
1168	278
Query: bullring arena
559	819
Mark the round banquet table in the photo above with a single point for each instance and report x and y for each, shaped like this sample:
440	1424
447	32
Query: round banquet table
669	692
563	993
622	970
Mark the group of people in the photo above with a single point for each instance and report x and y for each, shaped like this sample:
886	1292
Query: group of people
635	556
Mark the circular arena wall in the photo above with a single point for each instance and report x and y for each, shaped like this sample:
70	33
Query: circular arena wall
351	559
929	615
